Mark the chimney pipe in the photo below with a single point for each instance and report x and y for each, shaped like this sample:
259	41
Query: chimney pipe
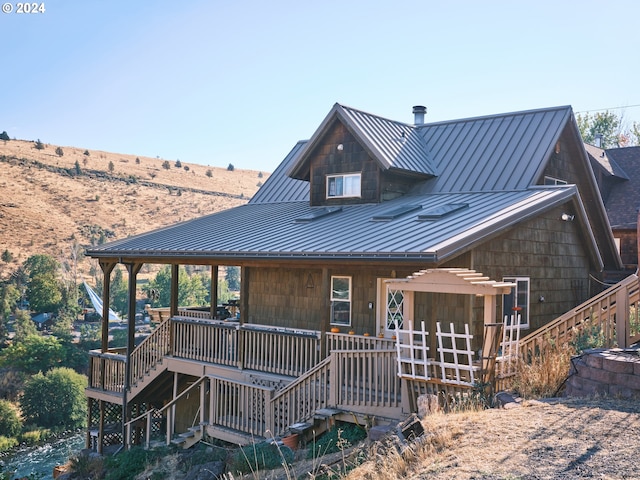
418	114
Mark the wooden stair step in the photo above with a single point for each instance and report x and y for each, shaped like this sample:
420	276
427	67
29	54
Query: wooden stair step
325	413
300	428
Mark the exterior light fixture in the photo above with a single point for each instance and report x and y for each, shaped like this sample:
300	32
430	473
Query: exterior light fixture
567	218
340	147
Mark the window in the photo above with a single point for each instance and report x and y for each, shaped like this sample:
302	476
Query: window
553	181
343	185
394	310
517	302
340	300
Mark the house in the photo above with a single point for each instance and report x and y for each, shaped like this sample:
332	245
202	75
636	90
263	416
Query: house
617	172
378	261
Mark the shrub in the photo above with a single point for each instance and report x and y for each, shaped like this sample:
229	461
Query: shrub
10	423
166	165
544	374
59	151
209	173
77	169
111	166
7	443
259	456
338	439
137	160
35	435
178	164
55	399
231	168
39	145
128	464
86	152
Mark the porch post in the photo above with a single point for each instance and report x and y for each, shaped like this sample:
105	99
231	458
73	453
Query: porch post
325	324
490	343
173	307
213	294
132	269
107	268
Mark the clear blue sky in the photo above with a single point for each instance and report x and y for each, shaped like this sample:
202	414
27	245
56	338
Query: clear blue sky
232	81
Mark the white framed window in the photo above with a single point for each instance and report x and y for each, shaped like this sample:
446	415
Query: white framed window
340	300
345	185
517	302
553	181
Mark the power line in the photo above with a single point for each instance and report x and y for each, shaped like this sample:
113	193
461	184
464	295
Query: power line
610	108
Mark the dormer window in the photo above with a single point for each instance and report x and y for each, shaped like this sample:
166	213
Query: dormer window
343	186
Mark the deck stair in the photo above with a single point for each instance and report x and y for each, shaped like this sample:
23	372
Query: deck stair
147	358
189	438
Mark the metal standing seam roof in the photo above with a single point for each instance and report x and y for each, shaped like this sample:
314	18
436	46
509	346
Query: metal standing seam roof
498	152
272	230
395	145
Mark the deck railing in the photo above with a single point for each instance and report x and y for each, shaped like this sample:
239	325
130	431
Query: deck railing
612	313
343	341
365	379
240	406
207	341
280	351
106	370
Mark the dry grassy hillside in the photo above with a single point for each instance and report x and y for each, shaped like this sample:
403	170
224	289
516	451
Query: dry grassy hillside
46	206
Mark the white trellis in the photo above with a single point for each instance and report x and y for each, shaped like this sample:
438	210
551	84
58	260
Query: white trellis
461	356
510	345
413	352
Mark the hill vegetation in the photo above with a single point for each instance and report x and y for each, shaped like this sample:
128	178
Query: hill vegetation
56	200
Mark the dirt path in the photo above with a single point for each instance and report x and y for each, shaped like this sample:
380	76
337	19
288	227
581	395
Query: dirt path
564	439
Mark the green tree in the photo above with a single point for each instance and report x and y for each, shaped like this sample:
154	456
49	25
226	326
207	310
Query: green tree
7	256
39	145
23	326
209	173
34	354
4	136
10	423
55	399
111	166
166	165
192	290
233	278
44	290
119	296
77	168
609	127
59	151
178	164
230	167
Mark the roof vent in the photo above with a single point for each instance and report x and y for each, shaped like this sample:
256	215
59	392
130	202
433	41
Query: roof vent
418	114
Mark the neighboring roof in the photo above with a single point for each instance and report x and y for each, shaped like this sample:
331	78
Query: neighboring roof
497	152
295	230
394	145
605	162
624	200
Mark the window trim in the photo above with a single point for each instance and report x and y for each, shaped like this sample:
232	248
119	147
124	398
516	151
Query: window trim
334	300
524	322
344	176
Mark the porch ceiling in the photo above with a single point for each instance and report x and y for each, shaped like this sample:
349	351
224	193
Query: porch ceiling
451	280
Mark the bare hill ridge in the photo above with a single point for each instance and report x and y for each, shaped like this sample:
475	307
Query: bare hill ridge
50	202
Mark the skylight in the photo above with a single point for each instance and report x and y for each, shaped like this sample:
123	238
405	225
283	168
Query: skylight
317	213
436	213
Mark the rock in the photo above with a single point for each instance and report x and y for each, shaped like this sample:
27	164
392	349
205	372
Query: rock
427	404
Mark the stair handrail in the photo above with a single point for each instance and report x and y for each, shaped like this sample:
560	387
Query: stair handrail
148	414
561	322
144	357
297	383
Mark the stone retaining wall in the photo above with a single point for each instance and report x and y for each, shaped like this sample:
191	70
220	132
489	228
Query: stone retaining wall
613	372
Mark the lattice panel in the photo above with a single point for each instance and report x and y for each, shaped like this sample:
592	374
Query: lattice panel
413	352
510	345
456	356
395	309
